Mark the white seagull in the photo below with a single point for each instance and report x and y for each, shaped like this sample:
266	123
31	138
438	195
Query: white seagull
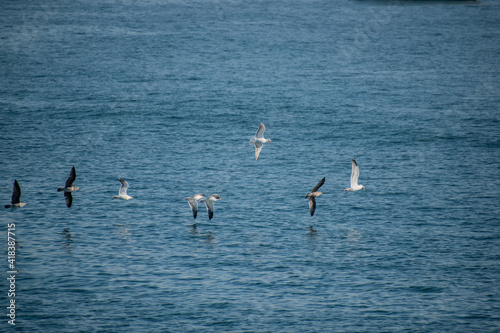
354	178
314	193
258	140
16	197
193	203
68	188
122	194
209	203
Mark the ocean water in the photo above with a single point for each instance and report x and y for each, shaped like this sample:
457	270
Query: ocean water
167	95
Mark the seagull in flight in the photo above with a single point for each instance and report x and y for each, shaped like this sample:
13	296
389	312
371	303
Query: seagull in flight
16	197
258	140
122	194
193	203
354	178
314	193
68	188
209	203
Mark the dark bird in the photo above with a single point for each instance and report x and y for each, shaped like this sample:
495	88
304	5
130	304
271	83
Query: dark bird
314	193
16	197
69	187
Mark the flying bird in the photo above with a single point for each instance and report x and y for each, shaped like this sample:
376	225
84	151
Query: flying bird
193	203
16	197
69	182
354	178
68	188
209	203
314	193
258	140
122	193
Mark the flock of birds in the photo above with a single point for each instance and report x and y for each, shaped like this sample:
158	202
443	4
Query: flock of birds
258	140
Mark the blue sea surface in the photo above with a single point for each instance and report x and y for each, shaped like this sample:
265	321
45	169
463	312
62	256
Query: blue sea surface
167	95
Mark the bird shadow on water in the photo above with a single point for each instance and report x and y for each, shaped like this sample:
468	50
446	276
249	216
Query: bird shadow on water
311	232
207	237
353	237
123	231
67	240
67	244
194	229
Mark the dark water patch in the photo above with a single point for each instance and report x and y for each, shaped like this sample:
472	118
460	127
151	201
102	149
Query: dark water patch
426	289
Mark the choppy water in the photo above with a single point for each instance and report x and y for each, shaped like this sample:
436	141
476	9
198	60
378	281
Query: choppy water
167	94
